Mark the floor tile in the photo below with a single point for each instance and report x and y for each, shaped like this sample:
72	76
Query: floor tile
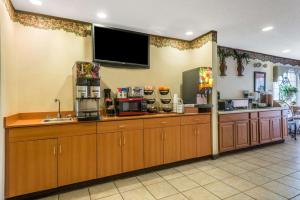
82	194
219	173
281	189
239	183
162	189
103	190
296	198
281	169
127	184
221	189
247	166
55	197
268	173
113	197
259	162
150	178
187	169
295	175
202	178
169	173
200	194
183	183
137	194
231	168
240	196
218	163
255	178
290	181
175	197
260	193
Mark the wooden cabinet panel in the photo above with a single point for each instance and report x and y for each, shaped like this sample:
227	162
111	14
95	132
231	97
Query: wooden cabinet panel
242	137
188	141
109	154
133	150
114	126
233	117
254	132
227	136
153	147
171	144
276	131
284	127
204	140
203	119
264	130
32	166
161	122
76	159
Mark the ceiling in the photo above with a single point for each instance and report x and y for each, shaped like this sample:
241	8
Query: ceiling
239	22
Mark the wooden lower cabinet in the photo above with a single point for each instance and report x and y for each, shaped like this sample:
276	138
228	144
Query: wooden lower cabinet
133	150
226	136
76	159
109	154
204	140
242	136
284	127
276	130
153	147
265	131
188	141
171	149
32	166
254	132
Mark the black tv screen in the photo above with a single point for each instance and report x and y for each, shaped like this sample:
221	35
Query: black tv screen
120	47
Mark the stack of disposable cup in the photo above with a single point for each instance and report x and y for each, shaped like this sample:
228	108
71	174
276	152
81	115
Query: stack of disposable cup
175	102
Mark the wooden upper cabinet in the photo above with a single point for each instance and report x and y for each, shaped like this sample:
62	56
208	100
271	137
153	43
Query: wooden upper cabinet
254	132
109	154
153	147
76	159
242	136
32	166
171	144
264	130
188	141
227	136
204	140
276	130
133	150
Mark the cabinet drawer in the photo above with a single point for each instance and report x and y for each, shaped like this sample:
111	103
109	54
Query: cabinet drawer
198	119
161	122
270	114
233	117
253	115
105	127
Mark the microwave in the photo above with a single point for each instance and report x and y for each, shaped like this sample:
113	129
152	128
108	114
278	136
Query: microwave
131	106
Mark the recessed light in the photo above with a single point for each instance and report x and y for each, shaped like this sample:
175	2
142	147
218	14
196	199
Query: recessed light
36	2
268	28
189	33
102	15
286	51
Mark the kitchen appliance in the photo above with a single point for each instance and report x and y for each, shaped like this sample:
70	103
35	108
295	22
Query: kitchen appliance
109	103
240	103
225	105
131	106
86	91
135	92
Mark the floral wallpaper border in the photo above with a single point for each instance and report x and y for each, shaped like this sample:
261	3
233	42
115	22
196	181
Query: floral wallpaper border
266	57
159	41
47	22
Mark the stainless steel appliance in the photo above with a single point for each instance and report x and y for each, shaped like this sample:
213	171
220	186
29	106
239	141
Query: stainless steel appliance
226	105
86	90
233	104
131	106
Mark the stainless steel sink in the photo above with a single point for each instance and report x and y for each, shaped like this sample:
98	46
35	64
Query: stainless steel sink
58	120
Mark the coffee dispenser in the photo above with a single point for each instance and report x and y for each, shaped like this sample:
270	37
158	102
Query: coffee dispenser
86	87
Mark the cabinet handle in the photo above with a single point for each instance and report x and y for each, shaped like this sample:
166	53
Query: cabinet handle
54	150
60	148
163	122
124	140
120	141
195	132
162	136
122	126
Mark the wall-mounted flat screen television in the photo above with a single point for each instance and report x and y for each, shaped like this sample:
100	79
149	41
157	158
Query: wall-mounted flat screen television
120	48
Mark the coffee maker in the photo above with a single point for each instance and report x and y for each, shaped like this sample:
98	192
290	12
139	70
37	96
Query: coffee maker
86	91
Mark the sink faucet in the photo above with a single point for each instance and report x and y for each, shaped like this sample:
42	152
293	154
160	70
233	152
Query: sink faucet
58	114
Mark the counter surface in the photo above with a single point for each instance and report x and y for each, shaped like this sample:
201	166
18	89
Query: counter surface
250	110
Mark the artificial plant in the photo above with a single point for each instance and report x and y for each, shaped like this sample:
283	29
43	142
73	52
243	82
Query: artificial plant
223	54
241	59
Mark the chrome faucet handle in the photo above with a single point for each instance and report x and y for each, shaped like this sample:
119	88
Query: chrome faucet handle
58	114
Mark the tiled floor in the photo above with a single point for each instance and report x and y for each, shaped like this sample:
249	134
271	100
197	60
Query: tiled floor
268	173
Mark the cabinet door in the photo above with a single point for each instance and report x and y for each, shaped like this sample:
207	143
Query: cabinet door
242	134
32	166
76	159
171	144
188	139
264	130
254	132
204	141
109	154
153	147
276	131
227	136
284	127
133	150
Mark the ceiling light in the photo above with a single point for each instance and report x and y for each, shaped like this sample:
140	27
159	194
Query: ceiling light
268	28
189	33
286	51
36	2
101	15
